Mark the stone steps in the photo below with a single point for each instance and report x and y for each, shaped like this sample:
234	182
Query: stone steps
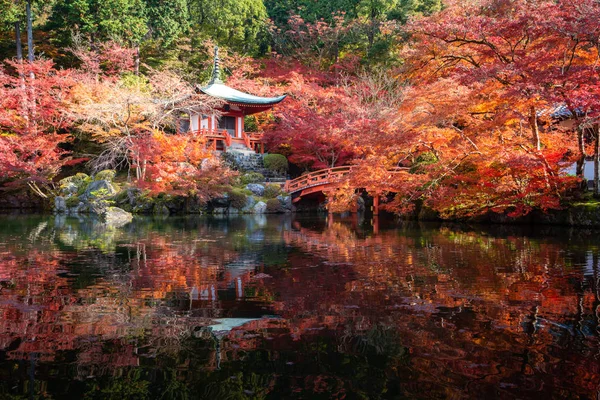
245	161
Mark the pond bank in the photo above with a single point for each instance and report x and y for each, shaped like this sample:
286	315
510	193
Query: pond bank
580	214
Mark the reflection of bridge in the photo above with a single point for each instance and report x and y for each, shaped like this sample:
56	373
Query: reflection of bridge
326	180
338	244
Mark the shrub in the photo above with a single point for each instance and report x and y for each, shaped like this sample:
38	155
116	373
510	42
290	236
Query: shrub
276	163
252	177
72	201
274	206
79	180
237	198
271	191
106	175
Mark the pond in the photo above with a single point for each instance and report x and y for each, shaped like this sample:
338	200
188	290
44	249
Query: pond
295	307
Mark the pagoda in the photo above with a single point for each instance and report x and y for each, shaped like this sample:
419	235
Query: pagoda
225	128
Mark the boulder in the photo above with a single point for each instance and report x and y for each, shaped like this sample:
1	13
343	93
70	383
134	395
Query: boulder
60	205
220	210
250	203
286	202
220	202
99	189
106	175
73	184
256	188
116	216
161	209
260	207
75	209
69	188
193	205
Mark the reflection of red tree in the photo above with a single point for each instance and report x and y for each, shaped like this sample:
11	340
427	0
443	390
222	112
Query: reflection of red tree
492	310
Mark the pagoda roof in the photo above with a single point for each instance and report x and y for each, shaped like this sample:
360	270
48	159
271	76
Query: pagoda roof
224	92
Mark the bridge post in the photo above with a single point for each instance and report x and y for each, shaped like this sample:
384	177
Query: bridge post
375	223
376	204
354	209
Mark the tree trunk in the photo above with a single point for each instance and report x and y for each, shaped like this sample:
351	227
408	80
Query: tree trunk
18	41
29	32
596	160
535	130
137	59
581	158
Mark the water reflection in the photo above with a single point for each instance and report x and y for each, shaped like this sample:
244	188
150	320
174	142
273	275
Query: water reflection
257	307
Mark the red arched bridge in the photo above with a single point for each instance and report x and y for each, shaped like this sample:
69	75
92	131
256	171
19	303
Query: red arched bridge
326	180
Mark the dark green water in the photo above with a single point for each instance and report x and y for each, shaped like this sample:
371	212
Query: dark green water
257	307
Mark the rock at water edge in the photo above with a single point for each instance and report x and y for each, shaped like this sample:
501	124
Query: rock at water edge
117	216
260	207
60	205
103	188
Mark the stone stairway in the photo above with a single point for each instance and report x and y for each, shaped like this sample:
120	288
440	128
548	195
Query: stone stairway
249	161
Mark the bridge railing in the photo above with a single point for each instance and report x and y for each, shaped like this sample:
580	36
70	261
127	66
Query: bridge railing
316	178
326	176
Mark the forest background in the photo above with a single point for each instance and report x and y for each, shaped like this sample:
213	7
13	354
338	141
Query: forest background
487	106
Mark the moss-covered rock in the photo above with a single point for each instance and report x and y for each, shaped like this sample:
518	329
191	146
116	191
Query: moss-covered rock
272	191
274	206
251	177
237	198
75	184
73	201
106	175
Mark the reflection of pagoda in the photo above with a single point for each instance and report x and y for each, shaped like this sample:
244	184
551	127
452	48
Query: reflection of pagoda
226	131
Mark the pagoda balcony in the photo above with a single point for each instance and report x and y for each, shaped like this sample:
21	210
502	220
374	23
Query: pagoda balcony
221	140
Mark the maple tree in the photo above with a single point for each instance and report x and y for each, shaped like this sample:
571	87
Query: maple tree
484	76
33	121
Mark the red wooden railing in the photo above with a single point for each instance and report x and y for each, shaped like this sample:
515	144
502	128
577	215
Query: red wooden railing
317	178
250	140
325	177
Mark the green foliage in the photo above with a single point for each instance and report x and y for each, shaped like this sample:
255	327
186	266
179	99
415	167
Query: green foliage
272	191
80	180
140	82
274	206
422	160
121	20
106	175
234	23
250	124
237	198
72	201
309	10
100	193
9	15
252	177
167	20
276	163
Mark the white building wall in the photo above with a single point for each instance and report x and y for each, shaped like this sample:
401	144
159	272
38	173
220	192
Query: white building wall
588	170
239	126
194	122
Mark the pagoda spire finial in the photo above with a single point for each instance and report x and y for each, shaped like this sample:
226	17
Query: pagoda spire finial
216	69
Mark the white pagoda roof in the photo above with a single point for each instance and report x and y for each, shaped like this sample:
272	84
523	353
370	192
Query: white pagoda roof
232	95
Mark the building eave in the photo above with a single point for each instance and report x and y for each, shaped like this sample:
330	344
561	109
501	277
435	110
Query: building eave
234	96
